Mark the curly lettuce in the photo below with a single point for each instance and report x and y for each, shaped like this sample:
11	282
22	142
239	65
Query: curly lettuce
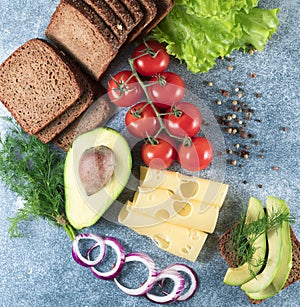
199	31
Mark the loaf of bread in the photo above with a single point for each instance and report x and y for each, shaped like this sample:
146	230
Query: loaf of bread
163	8
37	84
133	6
149	10
113	22
83	35
123	14
229	256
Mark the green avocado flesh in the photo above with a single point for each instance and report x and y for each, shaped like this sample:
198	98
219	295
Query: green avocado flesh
83	210
285	263
276	238
240	275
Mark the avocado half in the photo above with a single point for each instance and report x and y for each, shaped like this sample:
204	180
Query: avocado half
83	210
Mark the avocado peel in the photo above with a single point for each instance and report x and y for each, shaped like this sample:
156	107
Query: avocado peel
84	210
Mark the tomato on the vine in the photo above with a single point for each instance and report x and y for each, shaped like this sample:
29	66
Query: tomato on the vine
141	120
151	58
159	153
197	155
183	119
167	89
124	90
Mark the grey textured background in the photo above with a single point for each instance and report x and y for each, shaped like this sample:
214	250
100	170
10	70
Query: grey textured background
38	270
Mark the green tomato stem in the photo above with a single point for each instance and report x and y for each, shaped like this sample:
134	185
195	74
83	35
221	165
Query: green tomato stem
149	101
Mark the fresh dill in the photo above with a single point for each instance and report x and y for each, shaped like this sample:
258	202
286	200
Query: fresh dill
34	171
244	235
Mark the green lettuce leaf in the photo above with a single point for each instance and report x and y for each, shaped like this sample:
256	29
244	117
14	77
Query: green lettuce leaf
199	31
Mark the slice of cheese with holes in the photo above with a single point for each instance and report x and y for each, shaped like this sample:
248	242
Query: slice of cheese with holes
165	206
185	187
180	241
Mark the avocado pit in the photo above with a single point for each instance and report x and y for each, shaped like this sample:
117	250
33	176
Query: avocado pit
96	167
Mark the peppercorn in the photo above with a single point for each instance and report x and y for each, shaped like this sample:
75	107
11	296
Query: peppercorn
243	134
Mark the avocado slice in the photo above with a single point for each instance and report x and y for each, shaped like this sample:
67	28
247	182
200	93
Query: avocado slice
240	275
83	210
285	264
275	246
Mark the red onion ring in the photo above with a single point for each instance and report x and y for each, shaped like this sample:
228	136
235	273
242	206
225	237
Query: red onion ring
176	291
149	263
119	250
193	278
79	258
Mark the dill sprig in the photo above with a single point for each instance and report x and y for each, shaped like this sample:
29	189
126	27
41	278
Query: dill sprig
34	171
245	234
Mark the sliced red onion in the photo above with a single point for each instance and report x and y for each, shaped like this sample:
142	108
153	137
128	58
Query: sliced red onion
119	250
149	263
176	291
193	279
82	260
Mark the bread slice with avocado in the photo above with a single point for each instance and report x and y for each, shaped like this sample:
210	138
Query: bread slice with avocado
287	271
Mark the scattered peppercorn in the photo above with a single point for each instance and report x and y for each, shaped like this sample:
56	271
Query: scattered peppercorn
283	129
252	75
260	186
225	93
257	95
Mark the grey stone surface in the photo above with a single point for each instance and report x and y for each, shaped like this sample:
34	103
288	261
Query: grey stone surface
38	269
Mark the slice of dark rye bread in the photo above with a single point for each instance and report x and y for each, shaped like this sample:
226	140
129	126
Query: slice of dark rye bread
149	10
37	84
97	115
61	122
229	257
83	35
112	21
123	14
163	8
133	6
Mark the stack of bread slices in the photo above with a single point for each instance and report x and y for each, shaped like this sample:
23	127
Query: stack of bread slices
49	84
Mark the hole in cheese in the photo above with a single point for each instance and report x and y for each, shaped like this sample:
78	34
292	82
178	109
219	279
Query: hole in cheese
194	234
162	214
182	208
187	249
188	189
161	241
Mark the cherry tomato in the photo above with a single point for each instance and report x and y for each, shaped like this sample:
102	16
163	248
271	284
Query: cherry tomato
154	61
184	119
197	156
167	90
141	120
160	153
124	90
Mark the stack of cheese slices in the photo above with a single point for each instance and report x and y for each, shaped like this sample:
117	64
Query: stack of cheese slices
176	211
49	86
